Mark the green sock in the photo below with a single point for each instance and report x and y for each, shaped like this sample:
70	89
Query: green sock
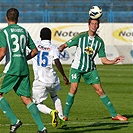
36	115
68	105
5	107
108	104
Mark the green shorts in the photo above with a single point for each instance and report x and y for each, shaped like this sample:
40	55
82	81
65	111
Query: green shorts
91	77
20	84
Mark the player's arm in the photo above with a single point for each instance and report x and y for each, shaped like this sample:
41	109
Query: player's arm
2	52
106	61
32	54
60	68
62	47
72	42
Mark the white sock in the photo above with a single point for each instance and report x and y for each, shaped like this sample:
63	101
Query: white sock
44	109
58	106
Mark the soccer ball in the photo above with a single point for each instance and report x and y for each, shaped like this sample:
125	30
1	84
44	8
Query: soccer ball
95	12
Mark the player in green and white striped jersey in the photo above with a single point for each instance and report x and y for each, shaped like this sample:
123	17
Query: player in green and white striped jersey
88	45
13	42
87	48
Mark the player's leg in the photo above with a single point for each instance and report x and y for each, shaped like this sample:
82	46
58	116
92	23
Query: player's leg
70	100
53	89
40	93
56	100
46	110
94	79
74	79
7	83
43	108
22	89
5	107
34	112
104	98
58	105
106	101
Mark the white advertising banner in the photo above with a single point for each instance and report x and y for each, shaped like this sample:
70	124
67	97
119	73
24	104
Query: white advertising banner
118	38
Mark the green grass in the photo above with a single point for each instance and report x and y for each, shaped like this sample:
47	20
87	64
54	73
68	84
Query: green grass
88	114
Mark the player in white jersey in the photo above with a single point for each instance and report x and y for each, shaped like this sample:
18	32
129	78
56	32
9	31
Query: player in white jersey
45	78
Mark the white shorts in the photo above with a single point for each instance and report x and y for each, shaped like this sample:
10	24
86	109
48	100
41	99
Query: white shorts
40	90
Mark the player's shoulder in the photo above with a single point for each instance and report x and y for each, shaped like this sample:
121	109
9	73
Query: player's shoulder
98	37
83	33
3	29
80	35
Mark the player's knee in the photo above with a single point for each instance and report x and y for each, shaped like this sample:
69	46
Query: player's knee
26	100
73	90
100	92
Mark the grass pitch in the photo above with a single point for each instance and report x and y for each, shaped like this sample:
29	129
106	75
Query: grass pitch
88	114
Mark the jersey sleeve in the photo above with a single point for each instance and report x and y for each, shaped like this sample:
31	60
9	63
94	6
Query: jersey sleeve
101	52
73	42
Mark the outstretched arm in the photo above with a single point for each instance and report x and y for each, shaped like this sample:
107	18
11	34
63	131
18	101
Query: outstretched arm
60	68
110	62
2	52
62	47
33	53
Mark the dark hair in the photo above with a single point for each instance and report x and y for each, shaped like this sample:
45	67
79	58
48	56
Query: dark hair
12	14
45	34
89	20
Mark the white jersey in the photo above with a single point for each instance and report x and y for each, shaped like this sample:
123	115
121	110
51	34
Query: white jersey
43	62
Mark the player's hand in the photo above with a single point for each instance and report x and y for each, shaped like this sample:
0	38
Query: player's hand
66	81
118	59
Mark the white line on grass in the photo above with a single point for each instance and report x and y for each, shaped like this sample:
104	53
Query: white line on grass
72	123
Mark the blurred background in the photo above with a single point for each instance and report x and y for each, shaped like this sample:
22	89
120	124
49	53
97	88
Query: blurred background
66	18
115	11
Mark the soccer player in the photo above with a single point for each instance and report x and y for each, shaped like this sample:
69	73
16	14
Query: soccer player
13	42
45	78
88	45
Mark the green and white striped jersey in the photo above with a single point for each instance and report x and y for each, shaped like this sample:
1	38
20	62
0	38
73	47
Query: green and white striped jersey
87	49
15	39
